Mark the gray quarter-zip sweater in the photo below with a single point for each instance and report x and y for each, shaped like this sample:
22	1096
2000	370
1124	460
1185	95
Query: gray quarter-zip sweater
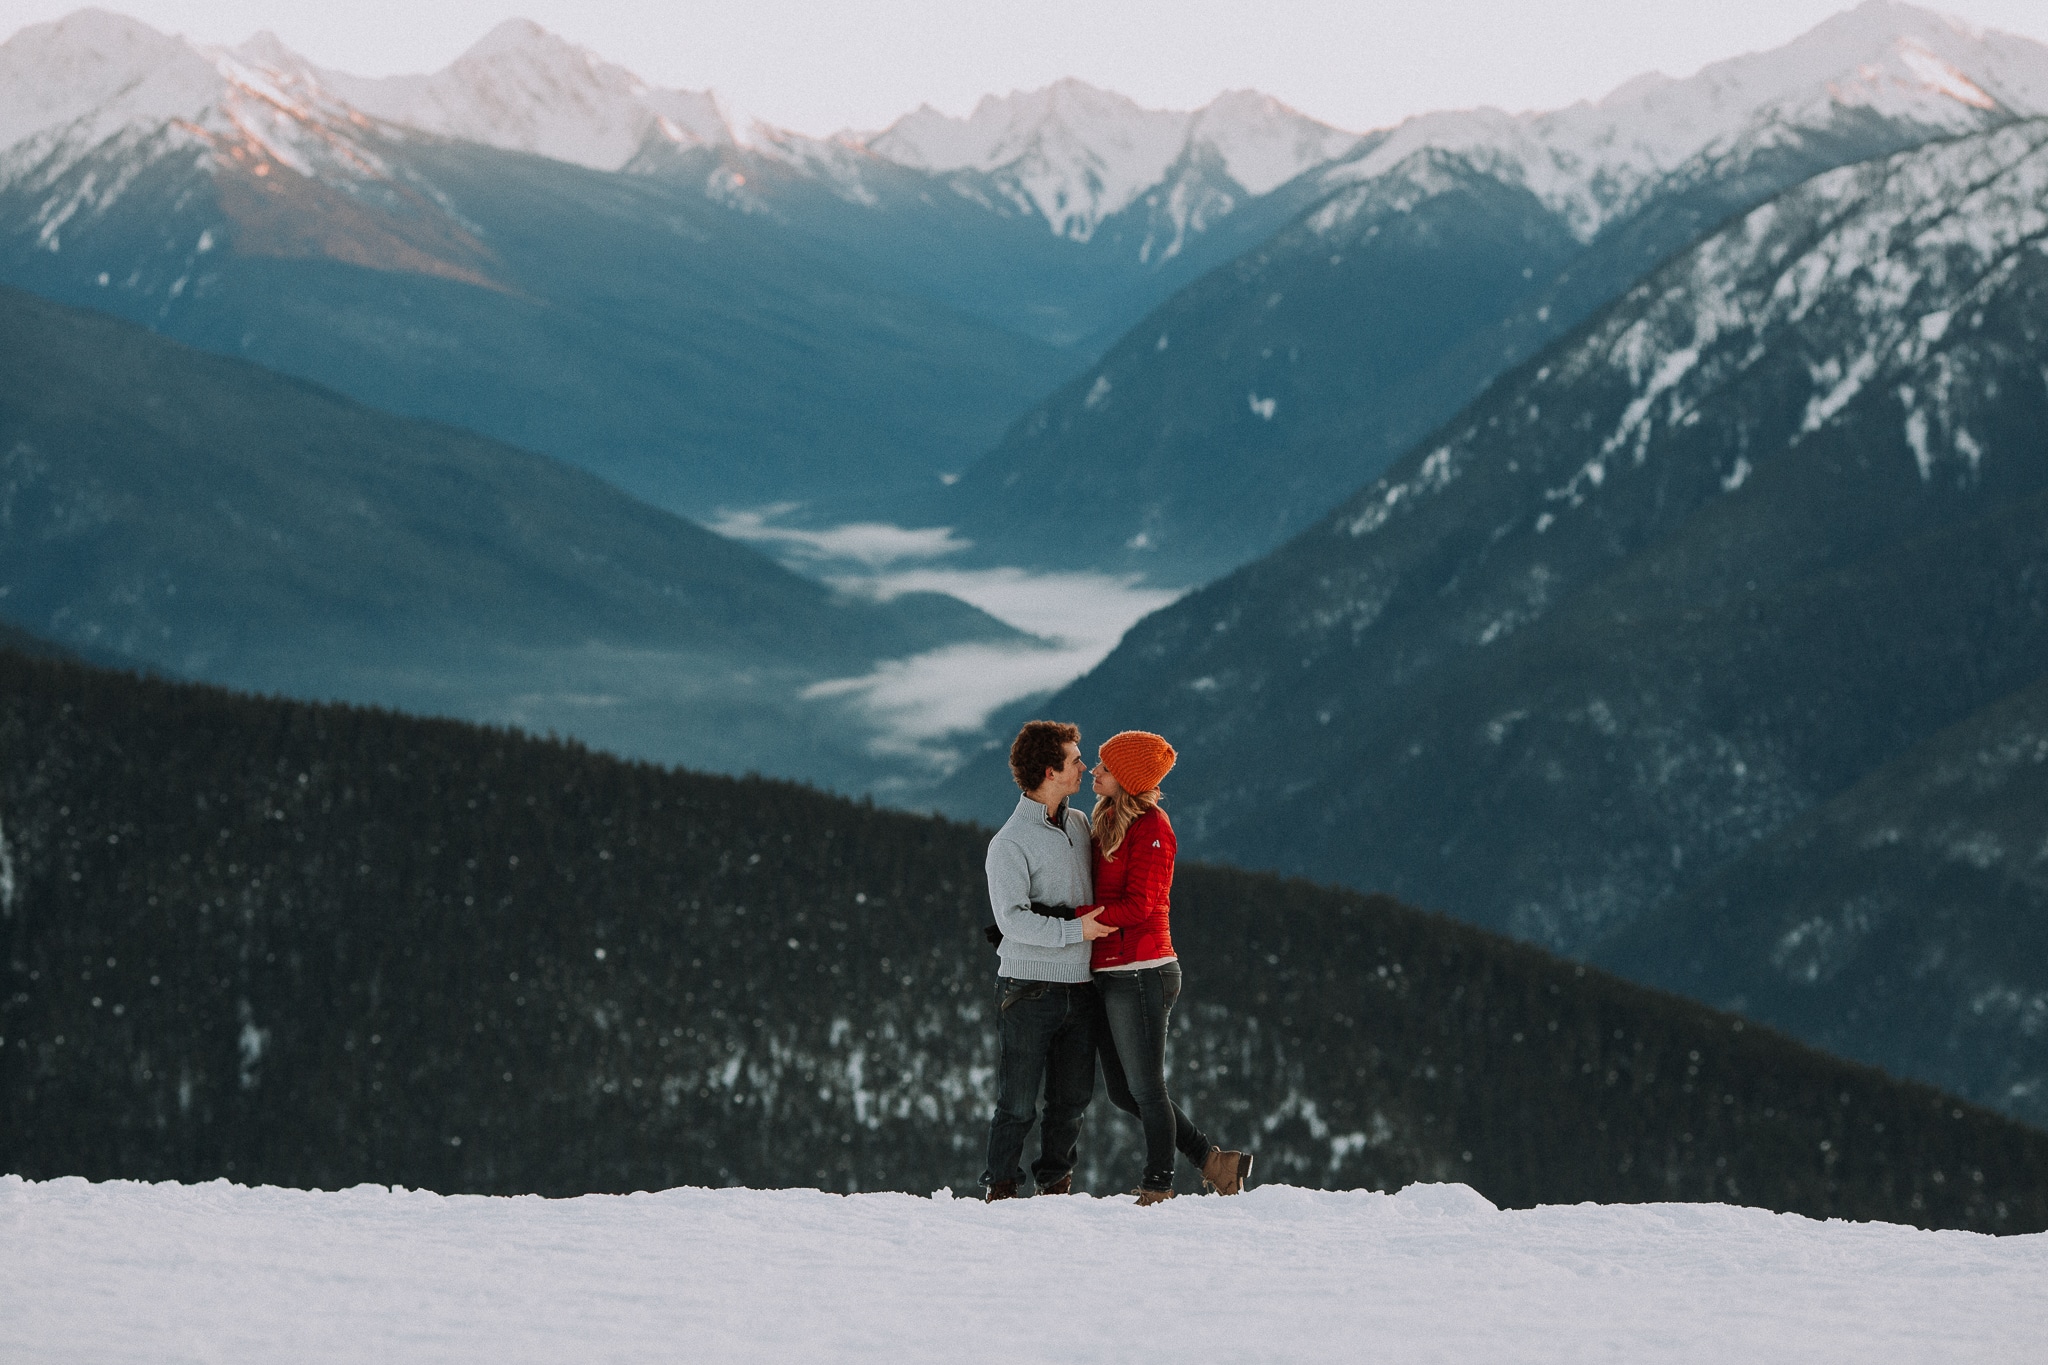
1033	859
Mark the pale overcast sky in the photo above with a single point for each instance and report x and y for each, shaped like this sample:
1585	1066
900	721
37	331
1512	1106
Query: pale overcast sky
820	66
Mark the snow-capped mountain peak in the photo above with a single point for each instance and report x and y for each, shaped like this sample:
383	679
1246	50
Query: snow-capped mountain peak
266	51
101	87
1076	154
90	103
1593	160
1264	144
1070	151
522	40
525	89
100	68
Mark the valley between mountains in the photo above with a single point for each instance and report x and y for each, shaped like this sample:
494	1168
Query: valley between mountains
1615	529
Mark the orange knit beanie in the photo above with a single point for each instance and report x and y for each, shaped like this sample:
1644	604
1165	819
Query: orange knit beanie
1137	759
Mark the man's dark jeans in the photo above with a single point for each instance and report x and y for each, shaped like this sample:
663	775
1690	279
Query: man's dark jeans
1046	1032
1135	1007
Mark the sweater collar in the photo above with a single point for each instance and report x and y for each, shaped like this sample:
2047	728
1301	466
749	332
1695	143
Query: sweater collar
1033	811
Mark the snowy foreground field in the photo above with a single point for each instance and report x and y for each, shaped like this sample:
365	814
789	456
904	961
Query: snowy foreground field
162	1273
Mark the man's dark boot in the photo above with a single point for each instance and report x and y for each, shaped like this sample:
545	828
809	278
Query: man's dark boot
1001	1189
1226	1172
1064	1185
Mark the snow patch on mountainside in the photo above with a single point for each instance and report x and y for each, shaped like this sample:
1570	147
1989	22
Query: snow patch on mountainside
1398	188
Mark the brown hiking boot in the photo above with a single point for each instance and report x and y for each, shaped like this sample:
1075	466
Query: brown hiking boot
1064	1185
1226	1172
1152	1196
1001	1189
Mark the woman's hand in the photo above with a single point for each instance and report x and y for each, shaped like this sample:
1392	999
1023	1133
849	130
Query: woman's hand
1093	928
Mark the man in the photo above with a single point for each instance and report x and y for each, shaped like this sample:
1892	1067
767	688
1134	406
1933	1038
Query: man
1044	1025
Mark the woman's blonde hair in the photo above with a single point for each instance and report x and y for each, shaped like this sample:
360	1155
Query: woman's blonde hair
1114	815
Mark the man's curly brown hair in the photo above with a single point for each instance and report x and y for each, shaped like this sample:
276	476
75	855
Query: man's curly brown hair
1041	744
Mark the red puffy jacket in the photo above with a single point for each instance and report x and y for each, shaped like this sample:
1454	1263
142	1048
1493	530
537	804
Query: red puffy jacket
1131	890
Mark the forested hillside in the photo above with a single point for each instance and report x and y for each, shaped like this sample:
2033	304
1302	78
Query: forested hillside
1901	923
319	945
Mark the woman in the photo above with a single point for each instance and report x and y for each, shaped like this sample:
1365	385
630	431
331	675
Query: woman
1137	976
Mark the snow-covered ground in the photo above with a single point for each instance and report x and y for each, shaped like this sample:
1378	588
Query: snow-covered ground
169	1273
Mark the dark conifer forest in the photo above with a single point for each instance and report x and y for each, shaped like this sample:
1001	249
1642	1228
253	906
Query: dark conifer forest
319	945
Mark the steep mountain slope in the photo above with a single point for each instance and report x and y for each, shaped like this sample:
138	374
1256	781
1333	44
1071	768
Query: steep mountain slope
1900	923
203	515
689	352
956	240
1255	399
1764	524
1241	408
315	946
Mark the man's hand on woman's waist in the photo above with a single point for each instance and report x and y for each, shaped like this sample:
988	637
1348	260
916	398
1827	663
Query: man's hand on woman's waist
1091	925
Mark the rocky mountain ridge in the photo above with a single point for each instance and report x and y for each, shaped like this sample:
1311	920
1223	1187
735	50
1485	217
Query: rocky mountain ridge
1597	161
1070	154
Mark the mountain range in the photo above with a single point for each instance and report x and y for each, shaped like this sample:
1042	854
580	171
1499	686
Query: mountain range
1429	260
1761	526
536	245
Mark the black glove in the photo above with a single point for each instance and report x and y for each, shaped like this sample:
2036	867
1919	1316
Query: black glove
995	935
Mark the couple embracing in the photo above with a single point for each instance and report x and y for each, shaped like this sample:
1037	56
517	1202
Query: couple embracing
1088	971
